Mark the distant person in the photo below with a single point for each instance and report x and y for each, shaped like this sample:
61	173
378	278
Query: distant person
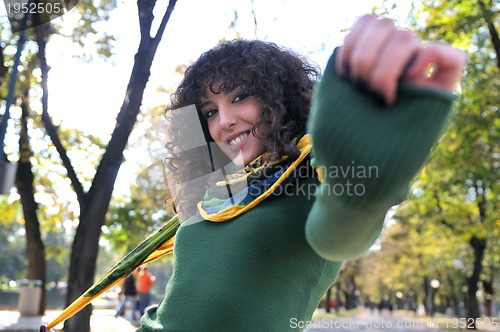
128	294
145	280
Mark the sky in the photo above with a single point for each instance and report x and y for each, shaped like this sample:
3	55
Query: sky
87	95
97	89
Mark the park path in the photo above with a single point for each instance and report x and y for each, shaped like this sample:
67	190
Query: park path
374	321
103	320
367	320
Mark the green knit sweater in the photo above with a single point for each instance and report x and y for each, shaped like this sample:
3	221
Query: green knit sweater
267	269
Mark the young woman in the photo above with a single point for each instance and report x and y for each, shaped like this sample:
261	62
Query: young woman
289	185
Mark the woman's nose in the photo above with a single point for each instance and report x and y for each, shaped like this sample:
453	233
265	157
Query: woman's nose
226	118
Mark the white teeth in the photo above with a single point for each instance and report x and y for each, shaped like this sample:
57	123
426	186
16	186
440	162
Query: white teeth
238	139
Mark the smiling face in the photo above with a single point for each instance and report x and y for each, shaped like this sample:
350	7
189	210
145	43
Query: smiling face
230	116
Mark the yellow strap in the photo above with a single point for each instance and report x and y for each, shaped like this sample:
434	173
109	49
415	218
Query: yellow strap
305	146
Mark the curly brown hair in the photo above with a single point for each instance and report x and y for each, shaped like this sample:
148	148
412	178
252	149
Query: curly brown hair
281	79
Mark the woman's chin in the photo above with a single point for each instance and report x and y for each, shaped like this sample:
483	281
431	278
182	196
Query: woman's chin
238	160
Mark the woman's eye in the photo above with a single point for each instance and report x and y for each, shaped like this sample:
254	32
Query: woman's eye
210	113
240	97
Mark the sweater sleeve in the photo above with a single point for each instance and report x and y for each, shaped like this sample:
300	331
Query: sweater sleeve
367	156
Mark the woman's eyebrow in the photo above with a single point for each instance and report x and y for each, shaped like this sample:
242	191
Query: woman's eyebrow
205	103
235	90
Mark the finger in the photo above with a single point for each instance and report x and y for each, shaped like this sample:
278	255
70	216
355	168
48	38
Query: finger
370	42
350	41
397	52
447	67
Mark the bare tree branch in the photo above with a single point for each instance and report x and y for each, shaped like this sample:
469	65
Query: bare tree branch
495	39
145	9
164	21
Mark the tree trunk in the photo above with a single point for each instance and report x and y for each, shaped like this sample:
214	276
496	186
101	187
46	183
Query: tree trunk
350	301
328	300
338	300
472	312
488	16
426	298
454	297
489	293
94	205
24	183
